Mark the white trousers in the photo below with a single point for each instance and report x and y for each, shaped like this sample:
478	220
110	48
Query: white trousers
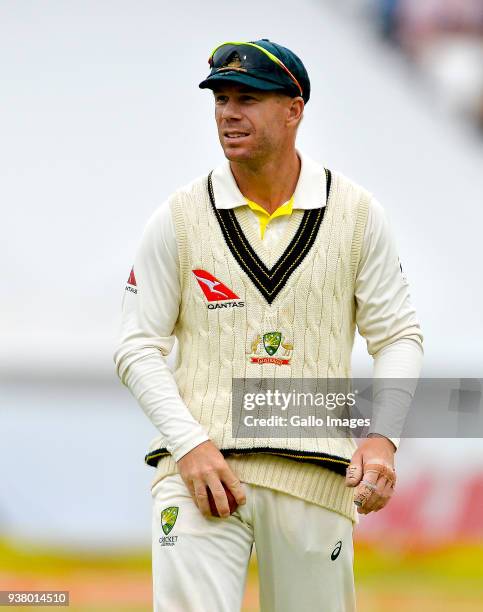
304	552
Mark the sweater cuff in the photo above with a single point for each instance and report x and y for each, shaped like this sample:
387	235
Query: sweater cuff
191	442
375	434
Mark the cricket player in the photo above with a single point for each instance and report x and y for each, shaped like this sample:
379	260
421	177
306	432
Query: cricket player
261	268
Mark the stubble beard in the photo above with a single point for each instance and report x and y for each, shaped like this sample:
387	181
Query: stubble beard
256	154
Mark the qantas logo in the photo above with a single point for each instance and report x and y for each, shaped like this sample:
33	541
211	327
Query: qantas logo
132	279
131	282
215	290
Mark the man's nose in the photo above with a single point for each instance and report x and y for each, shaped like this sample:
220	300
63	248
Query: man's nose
231	110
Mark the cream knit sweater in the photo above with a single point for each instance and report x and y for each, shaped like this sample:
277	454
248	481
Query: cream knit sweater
303	288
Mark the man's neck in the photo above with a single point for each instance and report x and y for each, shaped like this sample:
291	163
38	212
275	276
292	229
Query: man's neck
271	183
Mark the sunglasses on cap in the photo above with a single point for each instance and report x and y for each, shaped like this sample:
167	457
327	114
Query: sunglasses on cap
251	58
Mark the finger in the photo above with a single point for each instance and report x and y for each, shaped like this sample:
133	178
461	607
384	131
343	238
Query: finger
201	496
374	502
382	468
235	486
365	490
190	486
389	489
369	476
362	496
374	471
385	496
363	501
219	495
354	471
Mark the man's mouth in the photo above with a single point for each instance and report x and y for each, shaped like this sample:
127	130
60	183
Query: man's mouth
235	135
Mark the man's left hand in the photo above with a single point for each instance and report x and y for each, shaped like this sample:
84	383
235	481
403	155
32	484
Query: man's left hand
372	473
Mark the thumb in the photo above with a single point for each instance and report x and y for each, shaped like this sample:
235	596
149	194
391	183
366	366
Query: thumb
354	470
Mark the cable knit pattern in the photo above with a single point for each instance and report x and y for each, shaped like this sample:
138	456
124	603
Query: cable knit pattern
315	311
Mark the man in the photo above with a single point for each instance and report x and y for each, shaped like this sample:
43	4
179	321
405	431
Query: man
262	269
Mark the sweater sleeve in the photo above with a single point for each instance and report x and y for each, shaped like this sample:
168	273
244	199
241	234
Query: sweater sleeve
388	322
150	309
384	312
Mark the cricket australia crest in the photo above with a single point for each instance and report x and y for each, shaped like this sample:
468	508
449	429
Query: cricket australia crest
274	344
168	518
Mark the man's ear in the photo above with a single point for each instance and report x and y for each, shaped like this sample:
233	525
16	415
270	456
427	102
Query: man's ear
296	110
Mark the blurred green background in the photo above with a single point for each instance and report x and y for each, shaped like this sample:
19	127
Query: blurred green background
442	578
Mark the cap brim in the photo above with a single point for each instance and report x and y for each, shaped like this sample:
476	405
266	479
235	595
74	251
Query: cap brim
242	78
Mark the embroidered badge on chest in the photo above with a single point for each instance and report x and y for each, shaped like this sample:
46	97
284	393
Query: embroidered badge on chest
271	347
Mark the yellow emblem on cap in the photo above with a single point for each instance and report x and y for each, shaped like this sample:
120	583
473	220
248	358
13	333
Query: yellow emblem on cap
233	63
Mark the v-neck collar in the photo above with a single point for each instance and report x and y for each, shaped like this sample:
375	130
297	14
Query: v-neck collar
260	245
270	281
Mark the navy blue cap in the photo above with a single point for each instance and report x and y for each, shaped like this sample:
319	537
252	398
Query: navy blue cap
261	72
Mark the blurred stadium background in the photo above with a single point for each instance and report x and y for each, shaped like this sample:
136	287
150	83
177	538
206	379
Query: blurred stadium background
101	120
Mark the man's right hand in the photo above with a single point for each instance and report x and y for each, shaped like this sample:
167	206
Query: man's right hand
205	467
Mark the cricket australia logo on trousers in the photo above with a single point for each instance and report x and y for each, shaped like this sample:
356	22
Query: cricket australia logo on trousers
216	291
168	519
275	345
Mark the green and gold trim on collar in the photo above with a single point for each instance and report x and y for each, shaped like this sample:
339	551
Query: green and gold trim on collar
269	281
